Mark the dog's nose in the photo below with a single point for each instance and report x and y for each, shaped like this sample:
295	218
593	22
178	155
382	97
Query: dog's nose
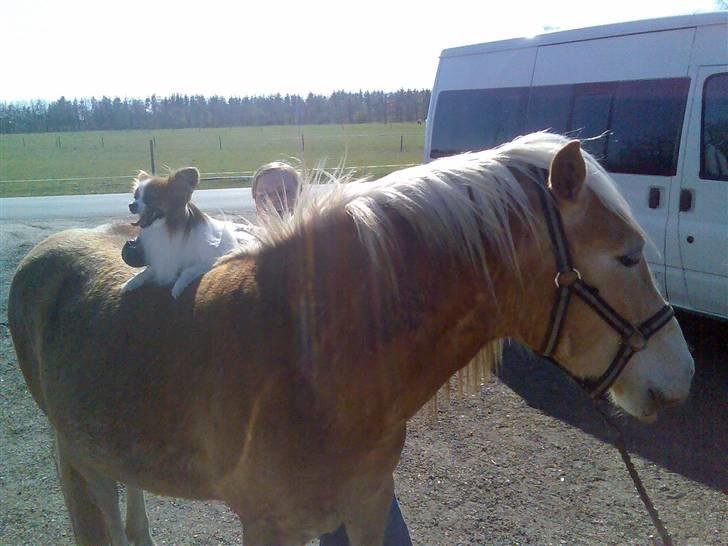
133	207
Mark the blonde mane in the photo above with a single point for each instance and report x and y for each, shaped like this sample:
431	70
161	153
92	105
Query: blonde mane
451	203
460	205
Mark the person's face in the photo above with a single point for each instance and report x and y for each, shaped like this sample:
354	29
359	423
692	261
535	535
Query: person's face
276	190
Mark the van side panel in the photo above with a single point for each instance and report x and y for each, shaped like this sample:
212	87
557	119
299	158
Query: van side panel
638	57
493	70
511	68
711	45
701	230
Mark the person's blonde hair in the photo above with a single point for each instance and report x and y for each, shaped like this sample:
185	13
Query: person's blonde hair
287	173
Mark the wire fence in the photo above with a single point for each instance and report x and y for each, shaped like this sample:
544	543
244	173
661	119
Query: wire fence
206	177
87	163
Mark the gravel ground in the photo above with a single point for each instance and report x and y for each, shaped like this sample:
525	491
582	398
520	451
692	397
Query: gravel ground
528	461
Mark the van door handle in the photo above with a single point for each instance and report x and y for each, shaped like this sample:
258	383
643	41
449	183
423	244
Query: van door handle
653	200
686	200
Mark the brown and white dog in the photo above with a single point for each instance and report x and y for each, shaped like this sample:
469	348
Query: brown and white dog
177	241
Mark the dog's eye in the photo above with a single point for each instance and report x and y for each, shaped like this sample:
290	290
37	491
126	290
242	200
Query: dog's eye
630	260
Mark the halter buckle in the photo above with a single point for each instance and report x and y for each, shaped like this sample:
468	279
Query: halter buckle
637	341
567	278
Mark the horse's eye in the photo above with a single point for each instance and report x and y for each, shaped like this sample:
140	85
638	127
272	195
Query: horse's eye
630	260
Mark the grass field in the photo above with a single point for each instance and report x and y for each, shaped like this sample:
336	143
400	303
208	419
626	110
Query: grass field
107	161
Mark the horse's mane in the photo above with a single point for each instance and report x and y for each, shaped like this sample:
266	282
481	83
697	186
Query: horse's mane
452	204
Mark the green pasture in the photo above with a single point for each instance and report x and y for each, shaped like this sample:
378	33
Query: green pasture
107	161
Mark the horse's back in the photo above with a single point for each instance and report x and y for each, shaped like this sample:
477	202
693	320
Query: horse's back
50	272
119	375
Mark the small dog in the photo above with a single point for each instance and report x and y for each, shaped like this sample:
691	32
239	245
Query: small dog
177	241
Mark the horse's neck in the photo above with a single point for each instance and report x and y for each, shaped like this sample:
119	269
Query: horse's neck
393	344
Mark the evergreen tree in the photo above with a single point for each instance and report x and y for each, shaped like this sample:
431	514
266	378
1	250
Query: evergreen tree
180	111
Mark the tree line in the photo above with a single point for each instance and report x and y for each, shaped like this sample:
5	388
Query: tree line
184	111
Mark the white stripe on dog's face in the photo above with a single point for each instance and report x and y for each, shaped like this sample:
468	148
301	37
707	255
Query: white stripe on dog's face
137	206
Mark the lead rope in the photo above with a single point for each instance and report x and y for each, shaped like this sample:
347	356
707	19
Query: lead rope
644	497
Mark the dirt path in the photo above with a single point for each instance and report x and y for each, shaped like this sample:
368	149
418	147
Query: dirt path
526	462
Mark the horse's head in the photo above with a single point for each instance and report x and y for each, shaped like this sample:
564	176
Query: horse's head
608	323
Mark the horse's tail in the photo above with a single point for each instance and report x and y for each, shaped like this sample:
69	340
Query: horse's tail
89	528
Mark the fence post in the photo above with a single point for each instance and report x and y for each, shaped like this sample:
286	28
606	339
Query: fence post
151	153
220	139
401	143
102	142
303	143
23	142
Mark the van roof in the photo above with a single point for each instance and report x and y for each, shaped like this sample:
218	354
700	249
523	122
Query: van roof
592	33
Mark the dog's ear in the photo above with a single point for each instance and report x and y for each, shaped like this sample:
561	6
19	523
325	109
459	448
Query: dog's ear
182	183
188	176
141	176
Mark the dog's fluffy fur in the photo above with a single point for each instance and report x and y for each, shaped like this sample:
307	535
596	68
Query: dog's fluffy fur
179	241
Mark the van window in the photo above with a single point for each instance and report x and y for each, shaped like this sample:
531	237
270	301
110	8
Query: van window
477	119
714	141
590	116
646	125
549	108
643	118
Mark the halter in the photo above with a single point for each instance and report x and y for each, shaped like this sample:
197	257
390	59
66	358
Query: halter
568	280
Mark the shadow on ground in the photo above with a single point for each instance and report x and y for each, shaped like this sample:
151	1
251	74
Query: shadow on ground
691	439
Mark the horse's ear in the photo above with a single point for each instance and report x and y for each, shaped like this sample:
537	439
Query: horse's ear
188	176
567	172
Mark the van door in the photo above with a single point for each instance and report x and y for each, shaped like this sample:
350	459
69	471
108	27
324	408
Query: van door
703	203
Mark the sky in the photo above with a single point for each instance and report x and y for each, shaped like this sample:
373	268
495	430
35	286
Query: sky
135	48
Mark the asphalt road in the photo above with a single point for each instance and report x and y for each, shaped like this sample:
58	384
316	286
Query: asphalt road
113	205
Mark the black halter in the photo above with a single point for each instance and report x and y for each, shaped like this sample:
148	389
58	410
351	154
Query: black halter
568	280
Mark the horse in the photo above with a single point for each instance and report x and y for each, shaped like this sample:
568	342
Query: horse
281	381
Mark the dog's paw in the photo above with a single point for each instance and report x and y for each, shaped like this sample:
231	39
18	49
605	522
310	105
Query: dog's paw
135	282
177	290
128	286
179	286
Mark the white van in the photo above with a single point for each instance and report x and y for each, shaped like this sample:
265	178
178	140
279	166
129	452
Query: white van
660	89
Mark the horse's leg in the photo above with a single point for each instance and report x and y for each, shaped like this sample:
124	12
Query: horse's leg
87	520
105	495
365	521
96	495
137	523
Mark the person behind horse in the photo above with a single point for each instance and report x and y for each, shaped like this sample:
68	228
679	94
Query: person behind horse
276	187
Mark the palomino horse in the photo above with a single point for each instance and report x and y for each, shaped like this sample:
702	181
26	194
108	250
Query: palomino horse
281	381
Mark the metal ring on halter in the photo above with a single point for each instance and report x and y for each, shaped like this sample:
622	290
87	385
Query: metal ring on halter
637	341
575	276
